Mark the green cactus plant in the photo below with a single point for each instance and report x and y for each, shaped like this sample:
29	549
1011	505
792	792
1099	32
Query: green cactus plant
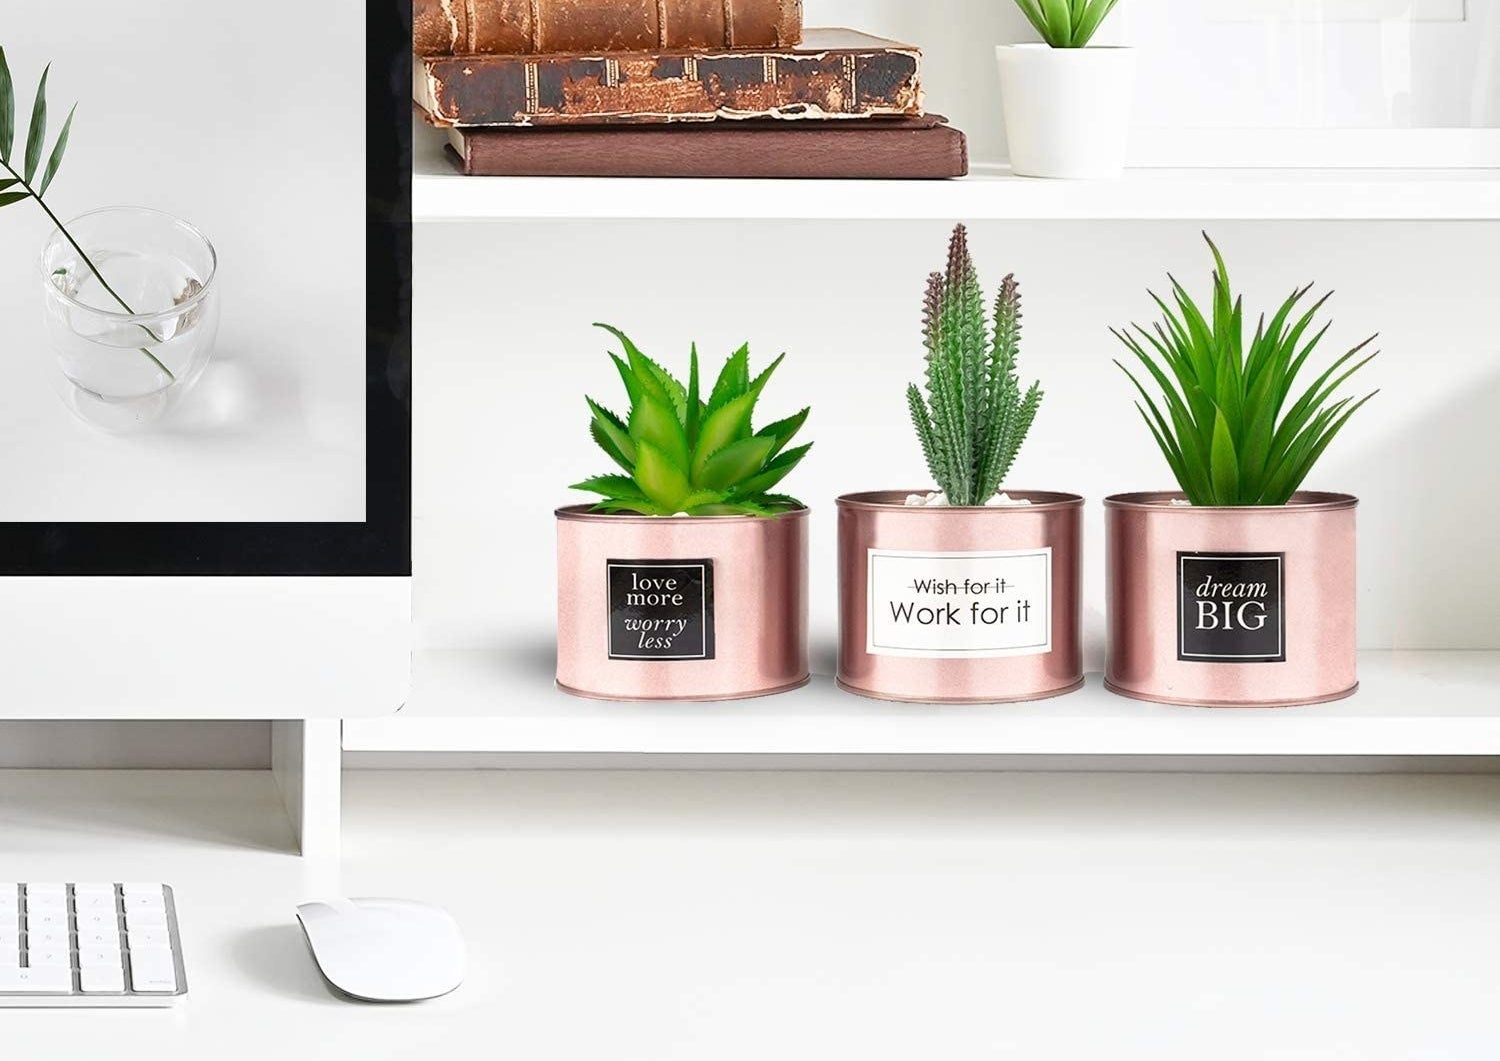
682	454
974	418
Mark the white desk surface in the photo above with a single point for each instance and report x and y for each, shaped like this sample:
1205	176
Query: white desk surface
661	916
257	139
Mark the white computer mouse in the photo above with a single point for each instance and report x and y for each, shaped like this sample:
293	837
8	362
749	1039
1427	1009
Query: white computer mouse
384	950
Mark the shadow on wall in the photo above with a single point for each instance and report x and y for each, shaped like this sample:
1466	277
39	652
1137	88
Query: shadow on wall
1433	462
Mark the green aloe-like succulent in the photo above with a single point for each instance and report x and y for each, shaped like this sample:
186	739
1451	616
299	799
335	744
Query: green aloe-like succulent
1233	432
684	454
1066	23
975	416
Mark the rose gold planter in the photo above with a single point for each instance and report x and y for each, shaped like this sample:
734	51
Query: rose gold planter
679	607
968	605
1231	607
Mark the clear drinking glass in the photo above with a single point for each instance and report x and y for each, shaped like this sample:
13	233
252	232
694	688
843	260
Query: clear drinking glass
132	337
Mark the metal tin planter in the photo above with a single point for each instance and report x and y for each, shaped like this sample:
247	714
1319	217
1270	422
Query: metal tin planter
966	605
679	607
1231	607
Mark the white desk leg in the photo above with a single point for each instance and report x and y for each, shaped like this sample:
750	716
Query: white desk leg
306	761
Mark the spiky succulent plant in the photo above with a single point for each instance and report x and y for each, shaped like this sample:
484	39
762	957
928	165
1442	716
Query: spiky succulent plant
1233	433
1066	23
975	417
682	454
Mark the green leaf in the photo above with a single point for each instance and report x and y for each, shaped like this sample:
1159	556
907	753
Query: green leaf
783	431
607	425
694	419
724	425
1034	15
1084	28
651	378
775	471
1059	23
7	110
1224	464
664	482
632	385
700	499
36	137
13	197
613	486
735	463
733	381
57	153
651	421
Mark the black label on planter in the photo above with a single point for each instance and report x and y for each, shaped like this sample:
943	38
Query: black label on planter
1231	607
661	609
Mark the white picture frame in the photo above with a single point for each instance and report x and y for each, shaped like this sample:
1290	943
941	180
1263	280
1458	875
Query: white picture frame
1400	84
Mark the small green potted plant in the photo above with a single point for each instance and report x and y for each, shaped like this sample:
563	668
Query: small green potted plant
688	580
1239	588
968	593
1066	101
132	307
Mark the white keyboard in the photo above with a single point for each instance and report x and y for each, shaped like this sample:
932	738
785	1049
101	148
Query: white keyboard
89	945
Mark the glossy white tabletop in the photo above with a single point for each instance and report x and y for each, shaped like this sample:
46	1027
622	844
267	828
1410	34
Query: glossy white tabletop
668	916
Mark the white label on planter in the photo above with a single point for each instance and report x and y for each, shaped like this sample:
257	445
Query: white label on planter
959	605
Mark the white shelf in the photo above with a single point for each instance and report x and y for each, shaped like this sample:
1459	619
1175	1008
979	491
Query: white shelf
1415	703
439	192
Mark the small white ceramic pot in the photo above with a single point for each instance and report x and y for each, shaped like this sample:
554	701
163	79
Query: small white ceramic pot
1067	110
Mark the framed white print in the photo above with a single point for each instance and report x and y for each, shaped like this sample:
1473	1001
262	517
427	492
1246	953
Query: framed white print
1378	83
1341	10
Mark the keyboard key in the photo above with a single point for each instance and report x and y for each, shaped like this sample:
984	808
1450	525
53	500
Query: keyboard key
143	894
58	981
45	893
46	920
94	888
152	970
50	957
102	979
10	900
149	937
97	921
100	957
135	919
94	902
51	939
99	938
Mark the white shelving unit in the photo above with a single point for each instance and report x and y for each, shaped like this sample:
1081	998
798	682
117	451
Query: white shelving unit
439	192
1412	704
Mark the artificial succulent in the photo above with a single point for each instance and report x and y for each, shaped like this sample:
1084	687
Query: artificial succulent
682	454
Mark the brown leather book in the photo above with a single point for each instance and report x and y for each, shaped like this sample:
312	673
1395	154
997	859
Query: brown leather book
834	73
903	148
524	27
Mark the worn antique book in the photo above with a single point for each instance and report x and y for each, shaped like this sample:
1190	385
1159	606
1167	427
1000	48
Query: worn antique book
521	27
924	147
834	73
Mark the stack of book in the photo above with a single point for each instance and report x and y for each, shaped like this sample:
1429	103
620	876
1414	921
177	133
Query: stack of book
672	88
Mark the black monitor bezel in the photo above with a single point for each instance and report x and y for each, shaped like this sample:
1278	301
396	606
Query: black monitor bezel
381	545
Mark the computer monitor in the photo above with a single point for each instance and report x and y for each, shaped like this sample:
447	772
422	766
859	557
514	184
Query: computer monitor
248	554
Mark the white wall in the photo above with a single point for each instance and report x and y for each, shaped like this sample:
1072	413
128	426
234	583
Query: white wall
504	353
1270	63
